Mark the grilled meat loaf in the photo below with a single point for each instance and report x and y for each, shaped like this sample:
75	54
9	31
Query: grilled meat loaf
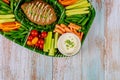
39	12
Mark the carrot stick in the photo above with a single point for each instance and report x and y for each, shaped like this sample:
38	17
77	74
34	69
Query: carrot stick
9	24
6	1
63	25
59	27
74	26
77	33
17	23
8	28
67	29
67	2
81	36
58	30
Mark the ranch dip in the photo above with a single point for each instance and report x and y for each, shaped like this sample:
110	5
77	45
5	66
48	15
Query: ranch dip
69	44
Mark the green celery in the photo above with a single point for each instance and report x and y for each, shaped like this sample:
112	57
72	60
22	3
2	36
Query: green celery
56	39
45	49
52	48
6	20
7	16
78	4
49	39
77	12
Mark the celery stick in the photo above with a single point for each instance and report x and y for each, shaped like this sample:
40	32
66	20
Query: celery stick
76	5
45	49
74	13
52	49
49	39
6	20
47	42
83	6
7	16
87	5
74	10
56	39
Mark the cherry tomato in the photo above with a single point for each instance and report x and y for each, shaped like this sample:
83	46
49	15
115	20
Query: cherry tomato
40	36
29	43
30	38
41	46
44	34
34	33
36	45
35	40
40	41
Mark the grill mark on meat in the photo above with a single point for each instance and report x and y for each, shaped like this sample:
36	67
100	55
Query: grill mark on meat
39	12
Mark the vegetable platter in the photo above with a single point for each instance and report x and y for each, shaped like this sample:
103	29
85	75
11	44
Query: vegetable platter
55	28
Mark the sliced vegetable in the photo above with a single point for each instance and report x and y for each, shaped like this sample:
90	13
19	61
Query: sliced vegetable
7	16
77	4
49	39
56	39
52	48
6	20
45	47
80	7
6	1
71	28
74	26
47	43
67	2
8	26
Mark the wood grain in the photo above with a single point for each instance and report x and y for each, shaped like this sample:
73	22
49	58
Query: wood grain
97	60
17	63
112	35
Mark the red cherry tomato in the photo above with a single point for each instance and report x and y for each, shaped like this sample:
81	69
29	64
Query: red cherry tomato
30	38
40	36
36	45
34	33
41	46
44	34
40	41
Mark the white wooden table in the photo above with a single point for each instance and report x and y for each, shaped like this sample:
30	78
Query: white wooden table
99	58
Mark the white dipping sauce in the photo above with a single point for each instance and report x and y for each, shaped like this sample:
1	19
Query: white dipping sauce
69	44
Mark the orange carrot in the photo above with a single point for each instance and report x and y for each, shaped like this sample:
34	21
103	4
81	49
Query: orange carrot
75	32
67	29
63	25
10	26
59	27
67	2
74	26
8	29
81	36
6	1
58	30
17	23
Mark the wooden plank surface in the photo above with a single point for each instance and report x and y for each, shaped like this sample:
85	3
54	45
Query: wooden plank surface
97	60
17	63
112	36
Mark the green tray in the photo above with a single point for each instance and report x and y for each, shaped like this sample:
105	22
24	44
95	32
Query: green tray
26	30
